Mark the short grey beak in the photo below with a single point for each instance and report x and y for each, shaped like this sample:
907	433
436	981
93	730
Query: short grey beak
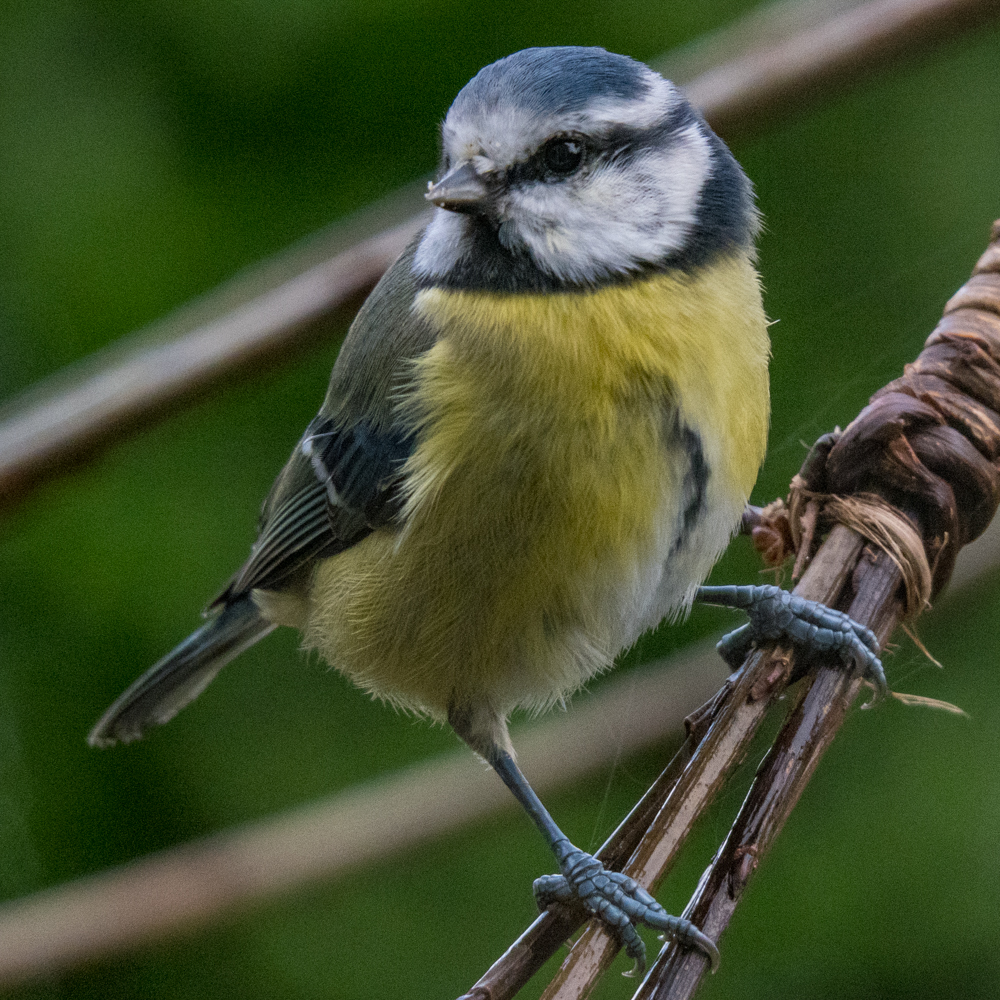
460	190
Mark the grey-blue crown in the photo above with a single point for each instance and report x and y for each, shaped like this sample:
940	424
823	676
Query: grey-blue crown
554	80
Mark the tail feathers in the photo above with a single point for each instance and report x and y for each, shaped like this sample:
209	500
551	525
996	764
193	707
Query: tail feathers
163	690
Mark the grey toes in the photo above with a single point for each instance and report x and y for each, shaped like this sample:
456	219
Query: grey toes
618	901
776	614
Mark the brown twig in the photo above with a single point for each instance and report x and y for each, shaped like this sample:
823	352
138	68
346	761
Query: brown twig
761	680
781	60
820	710
930	443
543	938
809	519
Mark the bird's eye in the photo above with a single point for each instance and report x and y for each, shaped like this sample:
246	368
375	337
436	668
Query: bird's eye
562	156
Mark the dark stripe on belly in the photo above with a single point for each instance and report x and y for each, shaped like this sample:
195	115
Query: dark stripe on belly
696	477
683	441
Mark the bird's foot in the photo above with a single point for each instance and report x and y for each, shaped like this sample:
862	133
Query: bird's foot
777	614
618	901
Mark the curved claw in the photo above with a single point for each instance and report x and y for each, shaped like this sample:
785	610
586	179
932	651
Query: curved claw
693	937
618	901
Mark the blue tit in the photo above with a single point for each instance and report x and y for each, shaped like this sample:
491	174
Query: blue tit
540	433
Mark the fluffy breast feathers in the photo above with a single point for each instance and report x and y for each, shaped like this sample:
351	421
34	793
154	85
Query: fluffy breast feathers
583	459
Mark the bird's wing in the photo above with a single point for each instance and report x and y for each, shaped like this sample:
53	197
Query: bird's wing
350	481
299	531
344	477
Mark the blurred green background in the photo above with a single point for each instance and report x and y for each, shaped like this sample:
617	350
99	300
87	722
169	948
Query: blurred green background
149	151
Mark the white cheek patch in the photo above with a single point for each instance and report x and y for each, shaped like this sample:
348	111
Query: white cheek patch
442	244
609	220
618	217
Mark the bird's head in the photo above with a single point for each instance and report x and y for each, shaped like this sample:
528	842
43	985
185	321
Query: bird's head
575	167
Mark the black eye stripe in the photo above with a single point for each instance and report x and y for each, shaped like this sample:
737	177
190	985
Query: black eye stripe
558	157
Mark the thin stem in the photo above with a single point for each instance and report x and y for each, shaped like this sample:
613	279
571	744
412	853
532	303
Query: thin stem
820	710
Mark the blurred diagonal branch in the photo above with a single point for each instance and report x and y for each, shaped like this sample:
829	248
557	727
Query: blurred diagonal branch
774	60
800	51
200	881
146	381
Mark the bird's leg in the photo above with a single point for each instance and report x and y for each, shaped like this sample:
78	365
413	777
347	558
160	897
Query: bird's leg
614	898
776	614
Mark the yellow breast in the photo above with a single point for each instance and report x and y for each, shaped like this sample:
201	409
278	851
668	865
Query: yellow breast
545	494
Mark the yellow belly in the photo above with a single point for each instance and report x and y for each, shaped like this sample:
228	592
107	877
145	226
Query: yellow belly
543	530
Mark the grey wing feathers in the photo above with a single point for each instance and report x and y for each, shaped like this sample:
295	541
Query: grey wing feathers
353	486
301	529
292	536
343	478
